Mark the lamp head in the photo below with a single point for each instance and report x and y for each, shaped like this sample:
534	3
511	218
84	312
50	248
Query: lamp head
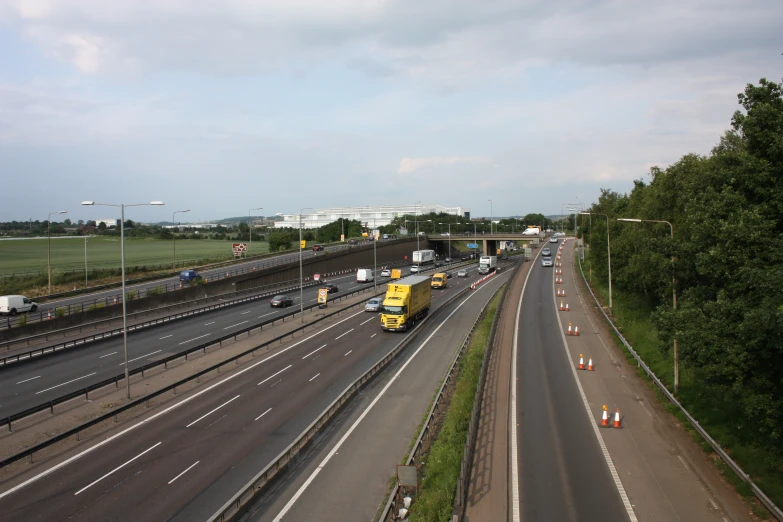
157	203
88	203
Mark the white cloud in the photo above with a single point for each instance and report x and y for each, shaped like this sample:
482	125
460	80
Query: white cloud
409	165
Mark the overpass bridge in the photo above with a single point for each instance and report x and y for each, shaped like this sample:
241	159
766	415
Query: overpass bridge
488	243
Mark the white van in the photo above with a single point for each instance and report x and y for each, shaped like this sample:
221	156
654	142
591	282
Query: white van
15	304
364	275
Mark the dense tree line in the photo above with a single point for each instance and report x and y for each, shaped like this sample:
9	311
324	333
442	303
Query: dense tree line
726	210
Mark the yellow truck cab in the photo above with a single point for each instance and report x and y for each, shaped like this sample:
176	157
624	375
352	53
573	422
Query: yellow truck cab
406	301
439	280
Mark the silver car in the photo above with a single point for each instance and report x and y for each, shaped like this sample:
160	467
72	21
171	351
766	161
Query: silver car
546	261
415	269
373	305
462	273
546	252
385	272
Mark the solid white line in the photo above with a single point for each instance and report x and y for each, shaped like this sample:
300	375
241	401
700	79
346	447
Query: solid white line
118	468
311	353
596	430
108	354
367	321
142	357
166	337
346	333
267	411
178	476
356	423
316	375
199	337
69	382
149	419
243	313
233	325
349	351
207	324
210	413
30	379
275	375
373	335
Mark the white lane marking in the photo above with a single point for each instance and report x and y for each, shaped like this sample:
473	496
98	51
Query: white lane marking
276	383
608	458
313	299
207	324
243	313
142	357
166	337
119	467
316	375
211	412
367	321
356	423
346	333
373	335
275	375
178	476
515	516
686	466
108	354
349	351
30	379
195	338
270	313
267	411
69	382
184	401
233	325
311	353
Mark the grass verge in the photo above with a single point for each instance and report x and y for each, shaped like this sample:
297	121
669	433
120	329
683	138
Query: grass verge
716	414
442	464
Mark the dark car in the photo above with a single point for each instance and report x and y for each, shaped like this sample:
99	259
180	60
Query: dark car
317	248
352	242
330	288
187	276
281	301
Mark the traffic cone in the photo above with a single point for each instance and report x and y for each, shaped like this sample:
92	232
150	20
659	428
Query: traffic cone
562	294
605	419
115	299
562	309
617	419
567	309
581	362
590	364
576	330
569	329
48	314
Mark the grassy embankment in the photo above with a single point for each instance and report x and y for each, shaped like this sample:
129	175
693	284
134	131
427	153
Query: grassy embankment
716	414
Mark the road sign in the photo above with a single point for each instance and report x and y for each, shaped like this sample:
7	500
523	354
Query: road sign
238	249
323	294
316	277
472	245
303	244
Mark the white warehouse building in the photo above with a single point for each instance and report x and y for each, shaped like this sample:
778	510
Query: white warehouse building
373	216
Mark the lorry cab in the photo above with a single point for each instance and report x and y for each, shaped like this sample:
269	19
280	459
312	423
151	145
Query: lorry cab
439	280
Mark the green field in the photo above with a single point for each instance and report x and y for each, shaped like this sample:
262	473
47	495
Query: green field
29	256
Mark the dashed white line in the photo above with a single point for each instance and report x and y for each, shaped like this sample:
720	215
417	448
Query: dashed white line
314	376
367	321
270	313
142	357
684	464
243	313
119	467
346	333
30	379
267	411
178	476
69	382
195	338
207	324
108	354
311	353
275	375
166	337
349	351
211	412
233	325
373	335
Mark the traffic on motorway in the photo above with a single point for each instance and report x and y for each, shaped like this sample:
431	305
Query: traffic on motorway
202	449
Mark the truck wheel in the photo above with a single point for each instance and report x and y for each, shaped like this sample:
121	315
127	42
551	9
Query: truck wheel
33	308
13	311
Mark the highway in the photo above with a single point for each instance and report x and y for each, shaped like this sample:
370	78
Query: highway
185	459
41	380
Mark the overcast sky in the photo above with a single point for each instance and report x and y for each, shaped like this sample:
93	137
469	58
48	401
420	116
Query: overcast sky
223	106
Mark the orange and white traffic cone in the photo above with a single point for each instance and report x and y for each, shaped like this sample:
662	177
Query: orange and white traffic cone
576	330
567	309
581	362
115	299
569	329
558	292
48	314
605	418
617	419
590	365
562	308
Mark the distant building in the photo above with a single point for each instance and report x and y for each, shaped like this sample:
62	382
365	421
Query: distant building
373	216
108	222
189	225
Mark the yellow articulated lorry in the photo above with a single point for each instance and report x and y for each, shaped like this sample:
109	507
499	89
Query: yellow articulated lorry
407	300
439	280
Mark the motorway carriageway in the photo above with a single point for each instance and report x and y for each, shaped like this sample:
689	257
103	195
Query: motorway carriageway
117	291
40	380
184	460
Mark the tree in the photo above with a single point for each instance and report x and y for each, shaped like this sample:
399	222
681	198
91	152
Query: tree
279	241
67	222
101	227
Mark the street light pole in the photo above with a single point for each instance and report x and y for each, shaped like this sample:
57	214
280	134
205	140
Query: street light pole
374	258
85	261
124	295
49	246
674	295
301	292
250	228
449	225
174	240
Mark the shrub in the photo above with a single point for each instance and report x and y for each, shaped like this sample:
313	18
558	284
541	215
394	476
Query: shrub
131	295
60	311
22	321
157	290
